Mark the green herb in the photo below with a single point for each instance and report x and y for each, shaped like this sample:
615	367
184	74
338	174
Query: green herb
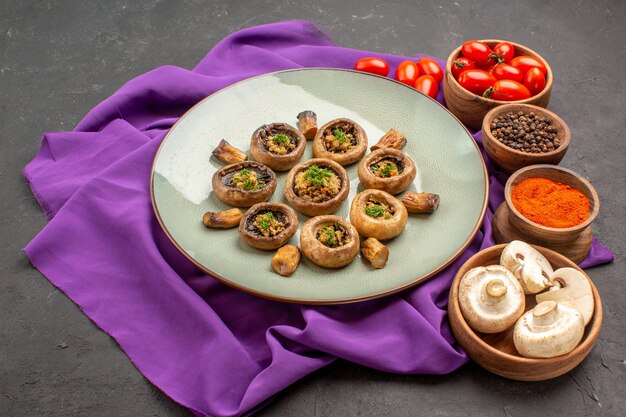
281	139
316	175
387	169
247	183
330	238
265	220
375	211
339	135
250	185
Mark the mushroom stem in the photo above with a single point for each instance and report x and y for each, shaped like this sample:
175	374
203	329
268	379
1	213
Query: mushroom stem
227	153
545	313
421	203
496	288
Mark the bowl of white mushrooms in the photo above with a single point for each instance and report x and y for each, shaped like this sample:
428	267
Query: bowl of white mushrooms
524	312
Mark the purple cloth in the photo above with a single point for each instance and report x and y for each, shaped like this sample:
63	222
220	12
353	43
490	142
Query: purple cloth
213	349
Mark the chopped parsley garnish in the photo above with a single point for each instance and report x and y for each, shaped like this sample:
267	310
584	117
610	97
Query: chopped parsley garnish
281	139
339	135
265	220
246	180
316	175
375	211
329	236
386	169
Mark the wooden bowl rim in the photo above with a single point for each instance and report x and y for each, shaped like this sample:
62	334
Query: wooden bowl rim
496	111
587	343
595	199
518	46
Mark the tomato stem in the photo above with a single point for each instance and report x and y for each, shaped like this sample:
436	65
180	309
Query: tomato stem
488	92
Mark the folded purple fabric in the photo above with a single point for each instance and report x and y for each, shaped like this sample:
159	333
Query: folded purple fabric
213	349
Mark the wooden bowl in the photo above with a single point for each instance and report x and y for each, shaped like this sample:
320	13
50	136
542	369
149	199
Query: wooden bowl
509	224
496	352
470	108
509	159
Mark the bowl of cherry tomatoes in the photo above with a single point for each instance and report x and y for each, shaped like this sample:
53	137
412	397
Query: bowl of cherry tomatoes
481	75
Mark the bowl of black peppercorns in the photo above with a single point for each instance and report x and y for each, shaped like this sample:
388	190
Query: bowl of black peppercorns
519	135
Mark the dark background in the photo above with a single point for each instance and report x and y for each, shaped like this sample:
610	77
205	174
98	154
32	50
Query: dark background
59	59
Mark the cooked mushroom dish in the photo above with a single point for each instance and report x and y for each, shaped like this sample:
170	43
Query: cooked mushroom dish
329	241
376	213
318	186
277	145
340	140
268	225
244	184
387	169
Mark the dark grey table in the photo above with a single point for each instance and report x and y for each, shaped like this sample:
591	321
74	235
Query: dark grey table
59	59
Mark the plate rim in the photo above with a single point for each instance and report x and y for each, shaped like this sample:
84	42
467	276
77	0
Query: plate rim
317	301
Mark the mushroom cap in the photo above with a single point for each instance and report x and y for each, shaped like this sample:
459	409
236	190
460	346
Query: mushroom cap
528	265
392	185
550	329
381	229
325	256
491	298
260	153
571	288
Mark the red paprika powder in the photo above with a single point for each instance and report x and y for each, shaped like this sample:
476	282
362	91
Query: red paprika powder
550	203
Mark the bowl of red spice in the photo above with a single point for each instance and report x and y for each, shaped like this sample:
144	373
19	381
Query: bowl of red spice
549	206
519	135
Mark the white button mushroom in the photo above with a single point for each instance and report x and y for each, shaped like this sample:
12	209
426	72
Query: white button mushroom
548	330
571	288
528	265
491	298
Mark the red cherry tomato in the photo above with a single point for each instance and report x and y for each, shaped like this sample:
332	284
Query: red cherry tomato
476	80
427	85
503	52
507	90
535	81
461	64
373	66
476	51
525	62
407	72
507	72
429	66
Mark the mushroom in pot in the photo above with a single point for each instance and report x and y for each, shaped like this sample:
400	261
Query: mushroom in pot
570	288
548	330
491	298
528	265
